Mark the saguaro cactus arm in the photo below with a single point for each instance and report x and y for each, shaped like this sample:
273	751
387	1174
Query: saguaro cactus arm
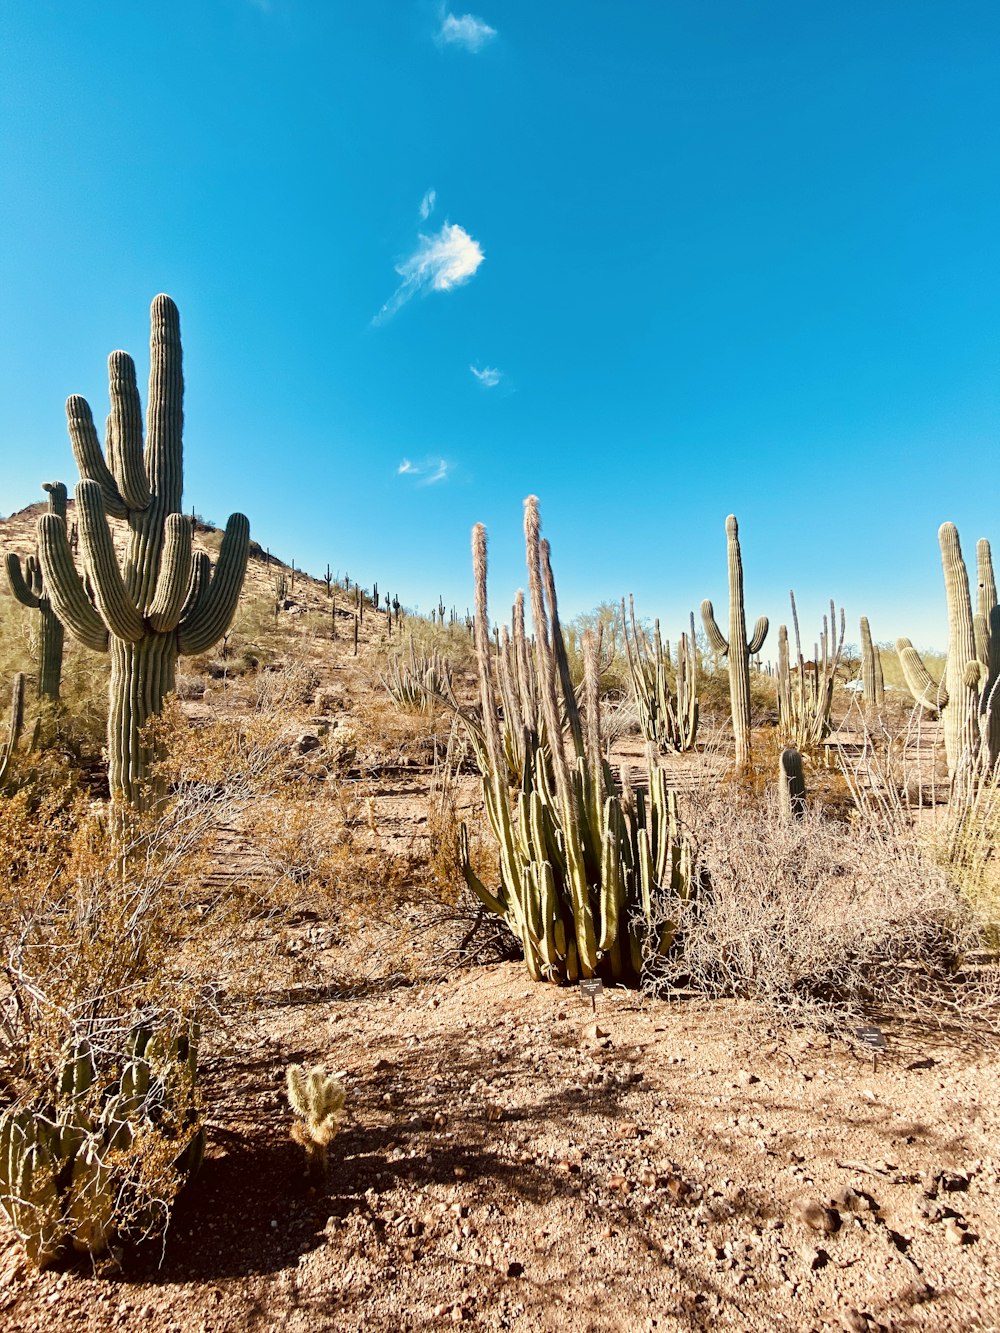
215	605
715	635
759	635
65	587
175	575
19	585
113	602
925	690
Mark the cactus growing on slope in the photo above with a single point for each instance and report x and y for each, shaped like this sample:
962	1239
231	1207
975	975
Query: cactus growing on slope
28	586
964	692
165	600
736	648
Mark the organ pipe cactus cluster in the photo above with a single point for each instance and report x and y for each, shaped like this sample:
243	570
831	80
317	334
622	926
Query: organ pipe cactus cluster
95	1161
737	649
28	586
872	683
582	863
805	696
668	718
965	695
164	600
414	682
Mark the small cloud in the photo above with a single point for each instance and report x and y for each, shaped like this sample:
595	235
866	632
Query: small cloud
468	31
427	473
489	377
439	263
427	205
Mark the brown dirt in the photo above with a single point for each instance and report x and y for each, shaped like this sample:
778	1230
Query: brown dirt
513	1161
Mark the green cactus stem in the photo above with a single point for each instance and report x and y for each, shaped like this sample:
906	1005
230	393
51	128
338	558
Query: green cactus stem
987	627
737	649
791	785
873	685
962	693
668	718
805	692
317	1098
164	600
28	586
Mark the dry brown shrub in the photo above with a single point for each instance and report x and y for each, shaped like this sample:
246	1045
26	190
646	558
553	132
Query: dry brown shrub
818	915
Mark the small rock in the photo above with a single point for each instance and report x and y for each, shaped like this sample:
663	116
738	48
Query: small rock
648	1178
813	1214
815	1258
515	1269
628	1129
853	1320
745	1079
594	1032
306	742
618	1183
956	1234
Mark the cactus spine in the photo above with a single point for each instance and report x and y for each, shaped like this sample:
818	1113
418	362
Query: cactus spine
165	600
963	691
736	648
29	589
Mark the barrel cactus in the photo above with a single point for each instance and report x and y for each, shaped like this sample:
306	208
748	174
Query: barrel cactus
165	599
737	649
28	586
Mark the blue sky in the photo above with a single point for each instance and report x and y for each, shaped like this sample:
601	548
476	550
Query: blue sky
706	256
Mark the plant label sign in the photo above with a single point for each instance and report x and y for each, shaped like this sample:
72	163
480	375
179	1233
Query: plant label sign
873	1037
590	989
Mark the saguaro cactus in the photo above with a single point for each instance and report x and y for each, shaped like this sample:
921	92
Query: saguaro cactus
963	688
164	600
28	586
872	681
791	785
736	648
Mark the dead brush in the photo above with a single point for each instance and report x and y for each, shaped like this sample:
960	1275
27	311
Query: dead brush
818	917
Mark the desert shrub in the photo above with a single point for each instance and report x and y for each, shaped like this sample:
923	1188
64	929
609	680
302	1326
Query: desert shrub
813	914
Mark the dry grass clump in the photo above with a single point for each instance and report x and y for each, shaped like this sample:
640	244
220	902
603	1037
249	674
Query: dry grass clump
815	914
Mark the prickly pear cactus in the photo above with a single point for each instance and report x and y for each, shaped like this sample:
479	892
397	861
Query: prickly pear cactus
96	1160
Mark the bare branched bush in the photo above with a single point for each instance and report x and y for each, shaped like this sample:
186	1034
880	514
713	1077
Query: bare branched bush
814	915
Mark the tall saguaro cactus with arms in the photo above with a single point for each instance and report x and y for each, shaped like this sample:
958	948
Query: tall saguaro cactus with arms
736	648
164	599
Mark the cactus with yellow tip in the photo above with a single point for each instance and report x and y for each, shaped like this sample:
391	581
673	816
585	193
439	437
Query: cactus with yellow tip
737	649
164	599
317	1098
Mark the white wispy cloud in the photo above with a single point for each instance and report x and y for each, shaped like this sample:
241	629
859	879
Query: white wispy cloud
427	205
466	30
489	377
440	262
427	473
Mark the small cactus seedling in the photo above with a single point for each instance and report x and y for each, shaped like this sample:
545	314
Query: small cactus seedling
317	1098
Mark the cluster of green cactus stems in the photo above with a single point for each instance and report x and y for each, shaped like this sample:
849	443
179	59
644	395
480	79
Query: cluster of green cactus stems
99	1159
414	681
737	649
668	718
791	785
966	695
165	599
584	864
872	680
28	586
805	694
